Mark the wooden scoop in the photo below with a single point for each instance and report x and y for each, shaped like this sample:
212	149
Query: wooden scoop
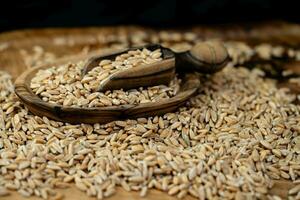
188	87
204	57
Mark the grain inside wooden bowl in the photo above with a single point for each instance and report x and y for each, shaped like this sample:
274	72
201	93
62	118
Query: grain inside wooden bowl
97	114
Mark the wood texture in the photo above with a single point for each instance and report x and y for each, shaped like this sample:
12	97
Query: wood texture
140	76
72	193
204	57
77	38
11	61
100	114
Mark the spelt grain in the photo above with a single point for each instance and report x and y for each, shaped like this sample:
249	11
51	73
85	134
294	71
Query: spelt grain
227	142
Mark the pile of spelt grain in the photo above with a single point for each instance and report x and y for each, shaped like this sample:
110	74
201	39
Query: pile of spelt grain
230	141
66	86
37	56
241	52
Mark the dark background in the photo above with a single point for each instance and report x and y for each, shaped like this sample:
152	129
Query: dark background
165	13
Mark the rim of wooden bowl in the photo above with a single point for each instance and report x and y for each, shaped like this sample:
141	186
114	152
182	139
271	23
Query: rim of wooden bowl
105	114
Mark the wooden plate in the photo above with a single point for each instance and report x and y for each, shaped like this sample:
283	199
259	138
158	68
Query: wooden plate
98	114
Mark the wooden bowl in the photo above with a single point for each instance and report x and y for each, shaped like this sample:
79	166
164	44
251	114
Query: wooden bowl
69	114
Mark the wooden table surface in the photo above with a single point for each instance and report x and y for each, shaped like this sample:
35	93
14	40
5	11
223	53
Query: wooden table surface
280	188
10	60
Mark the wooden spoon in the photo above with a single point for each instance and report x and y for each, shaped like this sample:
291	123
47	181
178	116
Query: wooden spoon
204	57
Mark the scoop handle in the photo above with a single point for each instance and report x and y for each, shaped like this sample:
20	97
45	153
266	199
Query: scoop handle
205	57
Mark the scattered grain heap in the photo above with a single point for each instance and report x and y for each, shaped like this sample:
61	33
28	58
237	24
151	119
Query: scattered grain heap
65	85
230	141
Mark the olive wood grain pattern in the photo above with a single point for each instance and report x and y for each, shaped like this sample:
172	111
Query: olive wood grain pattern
205	57
101	114
152	74
157	73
